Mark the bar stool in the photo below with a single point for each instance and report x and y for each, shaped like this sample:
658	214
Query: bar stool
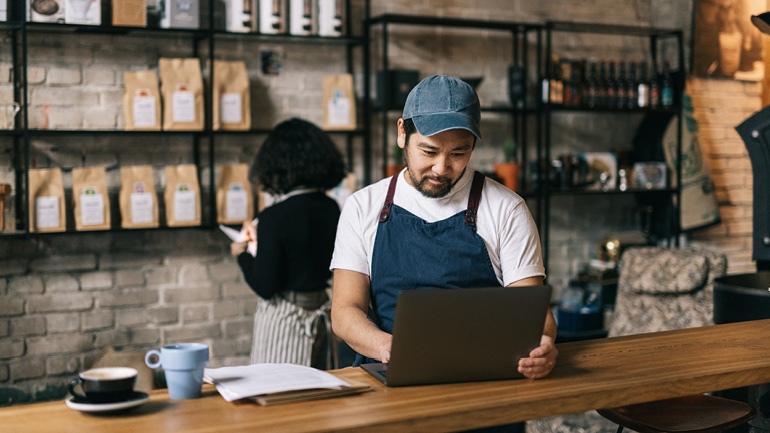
661	289
698	413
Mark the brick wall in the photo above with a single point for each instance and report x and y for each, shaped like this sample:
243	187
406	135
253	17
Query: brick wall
65	298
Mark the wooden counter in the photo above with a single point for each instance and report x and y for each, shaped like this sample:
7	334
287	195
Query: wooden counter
589	375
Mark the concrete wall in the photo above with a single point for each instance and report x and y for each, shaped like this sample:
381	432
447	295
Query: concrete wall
65	298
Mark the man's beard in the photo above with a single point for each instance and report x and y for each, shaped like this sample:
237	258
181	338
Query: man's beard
429	190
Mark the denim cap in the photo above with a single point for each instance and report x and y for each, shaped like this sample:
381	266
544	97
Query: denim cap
440	103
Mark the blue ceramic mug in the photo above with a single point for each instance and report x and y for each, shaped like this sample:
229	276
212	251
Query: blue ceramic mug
183	365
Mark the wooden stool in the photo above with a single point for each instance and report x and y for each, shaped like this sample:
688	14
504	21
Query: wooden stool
699	413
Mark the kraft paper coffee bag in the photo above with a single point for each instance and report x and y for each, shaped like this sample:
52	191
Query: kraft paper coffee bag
339	103
138	201
141	101
232	108
90	199
181	86
46	201
235	202
182	196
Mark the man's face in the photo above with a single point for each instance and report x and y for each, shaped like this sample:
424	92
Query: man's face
434	164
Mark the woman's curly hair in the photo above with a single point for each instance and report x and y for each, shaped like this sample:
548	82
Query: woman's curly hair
296	154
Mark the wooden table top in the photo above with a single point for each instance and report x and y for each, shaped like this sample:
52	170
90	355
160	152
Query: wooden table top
589	375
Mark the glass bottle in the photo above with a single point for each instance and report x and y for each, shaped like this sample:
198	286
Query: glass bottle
591	95
631	95
642	87
555	85
654	87
566	79
666	88
620	86
601	85
610	92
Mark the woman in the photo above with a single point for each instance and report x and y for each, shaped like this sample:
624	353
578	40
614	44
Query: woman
297	163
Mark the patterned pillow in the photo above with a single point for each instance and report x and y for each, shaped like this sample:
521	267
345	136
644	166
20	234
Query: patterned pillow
654	271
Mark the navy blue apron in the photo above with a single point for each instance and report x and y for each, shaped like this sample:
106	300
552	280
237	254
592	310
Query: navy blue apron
411	254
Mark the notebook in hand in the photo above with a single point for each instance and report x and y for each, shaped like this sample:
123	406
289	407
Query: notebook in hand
462	335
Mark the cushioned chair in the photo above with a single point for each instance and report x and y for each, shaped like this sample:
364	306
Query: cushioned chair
662	289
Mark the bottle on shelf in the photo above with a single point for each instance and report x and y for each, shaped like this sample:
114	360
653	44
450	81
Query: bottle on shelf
642	87
610	86
555	86
545	87
631	90
590	98
654	86
566	79
601	85
576	79
620	86
666	88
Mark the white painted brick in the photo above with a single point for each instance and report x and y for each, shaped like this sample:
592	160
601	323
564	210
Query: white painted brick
99	76
35	75
63	76
61	283
66	322
95	280
100	118
63	96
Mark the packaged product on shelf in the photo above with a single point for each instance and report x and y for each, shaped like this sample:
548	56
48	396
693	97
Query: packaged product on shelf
238	17
179	14
141	101
339	103
90	200
129	13
232	110
272	16
46	201
138	201
181	88
330	17
5	191
3	17
87	12
46	11
182	196
235	201
303	17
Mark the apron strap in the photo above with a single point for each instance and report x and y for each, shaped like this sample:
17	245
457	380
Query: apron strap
385	212
474	199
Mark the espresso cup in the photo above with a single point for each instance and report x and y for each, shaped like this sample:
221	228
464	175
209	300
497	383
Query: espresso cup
104	385
183	366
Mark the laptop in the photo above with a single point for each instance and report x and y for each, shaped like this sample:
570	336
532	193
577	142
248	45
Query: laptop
462	335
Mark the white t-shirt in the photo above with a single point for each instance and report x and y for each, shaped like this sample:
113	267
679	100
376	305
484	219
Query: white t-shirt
503	221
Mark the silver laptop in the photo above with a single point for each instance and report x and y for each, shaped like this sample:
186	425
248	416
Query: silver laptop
462	335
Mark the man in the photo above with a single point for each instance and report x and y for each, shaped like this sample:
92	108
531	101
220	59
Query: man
411	231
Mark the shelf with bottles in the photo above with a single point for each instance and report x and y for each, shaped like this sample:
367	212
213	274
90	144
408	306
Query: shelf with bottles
607	85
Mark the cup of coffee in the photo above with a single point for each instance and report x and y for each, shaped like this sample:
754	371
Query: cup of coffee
183	366
104	385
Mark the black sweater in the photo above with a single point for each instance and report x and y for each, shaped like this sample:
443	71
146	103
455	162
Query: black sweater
295	241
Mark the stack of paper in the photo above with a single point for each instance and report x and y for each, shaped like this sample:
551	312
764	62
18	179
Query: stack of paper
277	383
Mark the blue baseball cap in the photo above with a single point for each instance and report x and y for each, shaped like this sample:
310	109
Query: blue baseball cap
440	103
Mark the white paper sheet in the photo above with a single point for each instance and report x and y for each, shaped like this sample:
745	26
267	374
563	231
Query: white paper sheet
235	383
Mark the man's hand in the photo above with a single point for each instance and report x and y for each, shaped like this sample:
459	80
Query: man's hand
541	359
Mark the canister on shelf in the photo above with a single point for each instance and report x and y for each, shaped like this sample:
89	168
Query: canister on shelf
5	190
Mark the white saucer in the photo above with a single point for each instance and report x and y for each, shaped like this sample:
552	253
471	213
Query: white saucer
135	400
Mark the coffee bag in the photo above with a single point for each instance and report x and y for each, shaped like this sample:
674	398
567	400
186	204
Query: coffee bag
46	201
90	199
235	201
232	110
138	201
182	196
339	103
141	101
181	86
